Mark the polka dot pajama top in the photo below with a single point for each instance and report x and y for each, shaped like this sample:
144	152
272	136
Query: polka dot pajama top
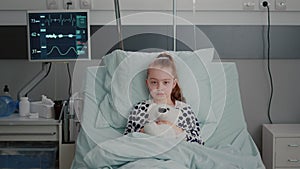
187	120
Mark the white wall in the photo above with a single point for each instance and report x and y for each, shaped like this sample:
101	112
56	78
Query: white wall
17	73
255	92
212	12
233	5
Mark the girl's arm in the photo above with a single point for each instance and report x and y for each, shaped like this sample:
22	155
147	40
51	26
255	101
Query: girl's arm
190	124
133	123
194	134
130	127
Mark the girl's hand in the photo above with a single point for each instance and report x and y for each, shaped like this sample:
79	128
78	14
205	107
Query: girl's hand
159	122
177	129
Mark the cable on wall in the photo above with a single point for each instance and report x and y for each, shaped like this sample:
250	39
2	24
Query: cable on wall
266	4
68	5
70	81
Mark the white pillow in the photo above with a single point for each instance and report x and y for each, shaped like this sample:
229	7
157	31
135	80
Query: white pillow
128	81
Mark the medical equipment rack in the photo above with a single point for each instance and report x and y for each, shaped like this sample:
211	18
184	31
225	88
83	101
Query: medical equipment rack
37	131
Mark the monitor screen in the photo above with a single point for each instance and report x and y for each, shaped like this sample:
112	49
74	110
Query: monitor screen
58	35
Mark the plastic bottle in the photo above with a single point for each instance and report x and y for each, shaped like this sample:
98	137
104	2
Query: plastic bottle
24	107
7	106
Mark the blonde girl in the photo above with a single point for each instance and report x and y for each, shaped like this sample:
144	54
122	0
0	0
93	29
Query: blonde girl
163	85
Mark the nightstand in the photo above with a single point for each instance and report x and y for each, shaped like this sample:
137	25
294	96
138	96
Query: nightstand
281	146
15	128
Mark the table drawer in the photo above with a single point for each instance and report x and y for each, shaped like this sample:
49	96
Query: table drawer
287	152
29	133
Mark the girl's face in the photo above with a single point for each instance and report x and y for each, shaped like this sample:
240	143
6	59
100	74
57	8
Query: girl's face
160	83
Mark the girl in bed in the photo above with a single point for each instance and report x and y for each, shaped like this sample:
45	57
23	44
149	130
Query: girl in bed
162	82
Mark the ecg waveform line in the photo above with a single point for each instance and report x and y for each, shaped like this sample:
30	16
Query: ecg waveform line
54	36
60	20
61	53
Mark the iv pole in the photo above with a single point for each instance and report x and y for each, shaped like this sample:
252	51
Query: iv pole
174	24
118	20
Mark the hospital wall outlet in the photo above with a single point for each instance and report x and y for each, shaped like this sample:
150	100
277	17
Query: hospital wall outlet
85	4
261	5
249	4
264	3
52	4
69	4
280	5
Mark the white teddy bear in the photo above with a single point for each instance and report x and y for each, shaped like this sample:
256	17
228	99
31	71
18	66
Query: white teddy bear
163	112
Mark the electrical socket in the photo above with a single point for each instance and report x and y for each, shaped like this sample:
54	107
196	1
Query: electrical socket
280	5
248	4
270	4
72	6
52	4
85	4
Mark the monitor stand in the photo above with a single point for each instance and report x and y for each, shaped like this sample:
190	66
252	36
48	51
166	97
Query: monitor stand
35	81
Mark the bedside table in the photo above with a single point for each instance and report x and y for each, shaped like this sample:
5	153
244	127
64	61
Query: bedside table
281	146
16	128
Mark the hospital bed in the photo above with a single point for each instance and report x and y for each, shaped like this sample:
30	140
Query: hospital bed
210	87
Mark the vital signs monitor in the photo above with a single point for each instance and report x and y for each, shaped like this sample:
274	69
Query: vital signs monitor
58	35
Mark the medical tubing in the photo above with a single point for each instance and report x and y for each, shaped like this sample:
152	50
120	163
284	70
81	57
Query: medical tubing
269	68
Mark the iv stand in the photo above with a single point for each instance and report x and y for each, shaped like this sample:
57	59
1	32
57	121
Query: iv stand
118	20
35	81
174	24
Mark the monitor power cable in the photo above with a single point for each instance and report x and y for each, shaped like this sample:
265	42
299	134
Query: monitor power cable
50	65
70	81
266	4
69	4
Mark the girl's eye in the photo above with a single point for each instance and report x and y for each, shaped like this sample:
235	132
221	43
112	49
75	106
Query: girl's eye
153	82
166	82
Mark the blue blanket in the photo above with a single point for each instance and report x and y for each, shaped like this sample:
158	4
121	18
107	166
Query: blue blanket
139	150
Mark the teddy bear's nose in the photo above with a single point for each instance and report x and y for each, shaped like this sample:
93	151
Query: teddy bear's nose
162	110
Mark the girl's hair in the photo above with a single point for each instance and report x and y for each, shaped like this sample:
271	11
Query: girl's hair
165	60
